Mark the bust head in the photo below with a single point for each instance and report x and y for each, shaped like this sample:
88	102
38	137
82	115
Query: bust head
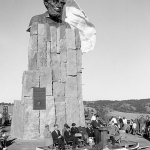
55	8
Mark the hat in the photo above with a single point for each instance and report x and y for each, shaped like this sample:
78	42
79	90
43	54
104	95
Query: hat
73	124
65	125
46	125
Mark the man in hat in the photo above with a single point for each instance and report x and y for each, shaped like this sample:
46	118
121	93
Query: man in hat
74	129
68	137
48	136
58	138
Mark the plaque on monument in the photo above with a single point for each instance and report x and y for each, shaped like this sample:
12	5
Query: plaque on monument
39	98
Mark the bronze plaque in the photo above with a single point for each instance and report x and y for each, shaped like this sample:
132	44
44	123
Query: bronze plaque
39	98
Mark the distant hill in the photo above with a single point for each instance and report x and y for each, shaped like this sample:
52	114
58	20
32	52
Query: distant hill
130	106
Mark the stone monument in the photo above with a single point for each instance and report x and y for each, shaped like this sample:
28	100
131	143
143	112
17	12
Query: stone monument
54	63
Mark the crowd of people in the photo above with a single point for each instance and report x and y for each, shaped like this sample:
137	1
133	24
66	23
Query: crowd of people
92	131
140	125
77	136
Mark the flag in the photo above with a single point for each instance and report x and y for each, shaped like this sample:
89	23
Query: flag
77	19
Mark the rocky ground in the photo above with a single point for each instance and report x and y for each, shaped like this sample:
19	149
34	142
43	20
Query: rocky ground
14	144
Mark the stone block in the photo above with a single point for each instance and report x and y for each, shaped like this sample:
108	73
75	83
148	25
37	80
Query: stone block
59	91
47	116
30	80
32	52
34	28
17	118
71	62
46	80
53	31
47	32
30	120
77	39
61	35
55	67
63	50
42	52
63	72
48	54
70	39
81	108
79	84
60	114
72	111
79	60
71	87
41	29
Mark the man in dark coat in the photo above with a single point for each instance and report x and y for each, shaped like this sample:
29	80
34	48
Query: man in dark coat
74	129
90	130
68	137
97	125
57	137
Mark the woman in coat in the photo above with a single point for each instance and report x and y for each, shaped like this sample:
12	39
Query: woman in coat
48	136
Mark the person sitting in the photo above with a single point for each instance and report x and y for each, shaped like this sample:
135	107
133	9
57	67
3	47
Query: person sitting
48	137
84	134
58	138
74	129
68	137
114	133
64	129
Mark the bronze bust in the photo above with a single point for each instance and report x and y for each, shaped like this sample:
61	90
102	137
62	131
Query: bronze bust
52	15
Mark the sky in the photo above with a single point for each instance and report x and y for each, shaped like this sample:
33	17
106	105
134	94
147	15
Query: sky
117	69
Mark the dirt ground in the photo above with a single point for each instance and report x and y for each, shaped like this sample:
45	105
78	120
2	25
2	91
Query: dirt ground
14	144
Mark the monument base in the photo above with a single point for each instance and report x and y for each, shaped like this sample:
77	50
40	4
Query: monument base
55	61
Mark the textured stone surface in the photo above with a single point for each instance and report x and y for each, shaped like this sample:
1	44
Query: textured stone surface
47	116
32	52
48	54
60	114
30	120
70	39
41	29
59	91
72	111
30	80
46	80
79	93
71	62
34	29
17	118
79	61
47	32
55	67
63	72
77	38
71	87
42	52
61	35
63	50
53	31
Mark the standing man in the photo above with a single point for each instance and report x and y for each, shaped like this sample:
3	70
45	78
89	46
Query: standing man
96	125
58	138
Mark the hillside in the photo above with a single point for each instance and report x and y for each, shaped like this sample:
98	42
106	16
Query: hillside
130	106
